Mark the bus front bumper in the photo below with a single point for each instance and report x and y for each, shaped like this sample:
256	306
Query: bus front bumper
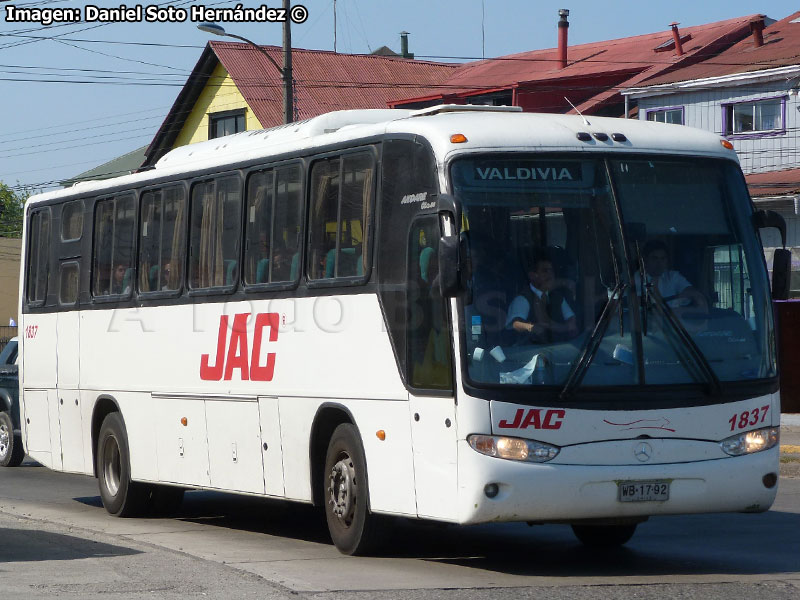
556	492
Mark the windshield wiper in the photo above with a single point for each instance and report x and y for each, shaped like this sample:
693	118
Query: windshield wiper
694	352
593	342
644	291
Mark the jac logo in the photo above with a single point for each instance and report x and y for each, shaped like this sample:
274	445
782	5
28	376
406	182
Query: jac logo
523	419
233	353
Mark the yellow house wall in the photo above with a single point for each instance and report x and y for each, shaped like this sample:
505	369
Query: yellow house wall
9	278
219	95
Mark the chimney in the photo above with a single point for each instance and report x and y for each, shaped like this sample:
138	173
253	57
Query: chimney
404	45
757	29
676	35
563	26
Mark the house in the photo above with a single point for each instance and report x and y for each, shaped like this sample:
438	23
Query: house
586	76
234	88
122	165
749	95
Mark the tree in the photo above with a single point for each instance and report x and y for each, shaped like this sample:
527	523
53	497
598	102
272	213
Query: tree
12	211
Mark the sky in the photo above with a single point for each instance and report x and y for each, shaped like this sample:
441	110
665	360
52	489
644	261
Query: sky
76	95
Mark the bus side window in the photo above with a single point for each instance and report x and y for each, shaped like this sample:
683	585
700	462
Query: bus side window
38	256
68	283
161	239
429	360
113	246
258	240
287	224
341	201
324	209
215	233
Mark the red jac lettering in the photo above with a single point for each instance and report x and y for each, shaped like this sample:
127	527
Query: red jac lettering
523	419
233	354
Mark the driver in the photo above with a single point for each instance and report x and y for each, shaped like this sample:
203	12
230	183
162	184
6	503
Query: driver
541	313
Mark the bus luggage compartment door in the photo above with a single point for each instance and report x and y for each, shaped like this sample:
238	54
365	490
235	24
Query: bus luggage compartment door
181	440
234	445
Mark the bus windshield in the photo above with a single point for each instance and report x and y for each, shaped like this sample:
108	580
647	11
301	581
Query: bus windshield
607	272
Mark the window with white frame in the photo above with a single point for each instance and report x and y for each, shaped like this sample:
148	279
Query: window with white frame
666	115
759	116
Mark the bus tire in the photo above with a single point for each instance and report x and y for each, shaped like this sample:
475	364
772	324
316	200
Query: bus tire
121	497
353	529
604	536
11	452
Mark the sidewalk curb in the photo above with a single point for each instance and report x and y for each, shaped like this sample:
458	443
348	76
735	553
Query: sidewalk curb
790	420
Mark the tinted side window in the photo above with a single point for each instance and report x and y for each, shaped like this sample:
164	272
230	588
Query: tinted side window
429	361
38	256
408	171
72	221
68	283
114	225
341	204
274	217
215	233
258	243
162	238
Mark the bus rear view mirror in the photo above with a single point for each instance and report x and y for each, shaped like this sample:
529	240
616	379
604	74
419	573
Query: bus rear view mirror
448	266
781	273
763	219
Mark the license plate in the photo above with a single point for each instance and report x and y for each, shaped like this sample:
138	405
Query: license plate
642	491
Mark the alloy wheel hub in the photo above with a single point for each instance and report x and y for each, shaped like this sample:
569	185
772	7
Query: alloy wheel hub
341	489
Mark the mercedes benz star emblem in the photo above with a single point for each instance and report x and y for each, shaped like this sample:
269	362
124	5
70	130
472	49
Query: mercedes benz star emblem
643	452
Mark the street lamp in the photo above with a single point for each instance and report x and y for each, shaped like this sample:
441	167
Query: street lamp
286	71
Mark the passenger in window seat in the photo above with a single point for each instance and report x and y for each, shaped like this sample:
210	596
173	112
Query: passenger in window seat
678	292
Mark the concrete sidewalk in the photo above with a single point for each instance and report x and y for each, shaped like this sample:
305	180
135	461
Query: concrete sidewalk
790	445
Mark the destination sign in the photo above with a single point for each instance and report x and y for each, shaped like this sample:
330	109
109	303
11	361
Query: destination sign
526	174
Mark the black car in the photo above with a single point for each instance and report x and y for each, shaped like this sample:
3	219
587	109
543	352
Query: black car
11	452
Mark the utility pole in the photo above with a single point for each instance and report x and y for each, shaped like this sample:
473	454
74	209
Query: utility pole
288	80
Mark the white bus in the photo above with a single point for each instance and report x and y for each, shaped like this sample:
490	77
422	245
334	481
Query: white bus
434	314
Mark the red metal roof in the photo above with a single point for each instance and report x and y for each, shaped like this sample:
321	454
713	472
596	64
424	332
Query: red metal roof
602	67
781	48
774	183
325	81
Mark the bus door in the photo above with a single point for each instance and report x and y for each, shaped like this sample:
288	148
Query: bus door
68	370
38	343
429	363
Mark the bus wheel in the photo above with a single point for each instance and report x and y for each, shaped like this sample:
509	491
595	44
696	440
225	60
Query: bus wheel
352	527
11	452
121	497
604	536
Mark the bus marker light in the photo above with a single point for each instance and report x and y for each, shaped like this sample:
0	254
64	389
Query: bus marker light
381	434
458	138
726	144
491	490
184	421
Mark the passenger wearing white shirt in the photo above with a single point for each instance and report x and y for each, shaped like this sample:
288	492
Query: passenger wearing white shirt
673	287
540	313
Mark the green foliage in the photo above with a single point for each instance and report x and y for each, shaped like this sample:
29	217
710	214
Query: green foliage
12	211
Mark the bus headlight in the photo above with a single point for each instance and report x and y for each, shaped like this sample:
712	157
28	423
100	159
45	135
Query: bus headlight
512	448
751	441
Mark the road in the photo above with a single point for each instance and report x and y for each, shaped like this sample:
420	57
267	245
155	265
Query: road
55	539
